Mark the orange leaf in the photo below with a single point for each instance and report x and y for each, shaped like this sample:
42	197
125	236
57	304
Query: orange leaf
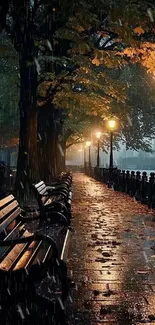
139	30
96	62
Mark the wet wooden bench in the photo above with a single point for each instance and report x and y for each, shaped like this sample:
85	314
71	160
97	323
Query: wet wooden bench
26	257
52	200
63	179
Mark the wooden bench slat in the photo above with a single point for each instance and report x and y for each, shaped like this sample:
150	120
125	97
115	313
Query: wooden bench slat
40	256
43	192
39	184
8	221
7	199
33	254
26	256
16	232
13	255
8	209
8	260
40	188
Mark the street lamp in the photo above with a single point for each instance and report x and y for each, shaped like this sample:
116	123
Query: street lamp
112	124
81	156
98	136
88	144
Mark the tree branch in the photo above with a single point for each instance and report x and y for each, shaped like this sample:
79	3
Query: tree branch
74	142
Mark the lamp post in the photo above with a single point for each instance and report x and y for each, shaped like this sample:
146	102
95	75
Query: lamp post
81	157
88	144
111	150
112	124
98	136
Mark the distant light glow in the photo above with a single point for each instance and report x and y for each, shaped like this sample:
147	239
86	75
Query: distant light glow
98	134
88	143
112	124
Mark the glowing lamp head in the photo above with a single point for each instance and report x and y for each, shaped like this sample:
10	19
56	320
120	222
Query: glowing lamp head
112	124
88	143
98	135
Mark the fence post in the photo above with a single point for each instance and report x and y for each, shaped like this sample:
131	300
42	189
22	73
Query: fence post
138	180
116	180
144	188
123	181
127	179
150	191
120	181
133	184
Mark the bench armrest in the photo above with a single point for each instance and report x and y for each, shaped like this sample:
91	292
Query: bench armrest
56	188
29	239
50	188
53	193
26	217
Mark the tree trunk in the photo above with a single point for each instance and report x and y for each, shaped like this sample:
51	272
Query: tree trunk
64	160
60	149
61	156
50	154
24	42
43	126
47	143
27	164
52	163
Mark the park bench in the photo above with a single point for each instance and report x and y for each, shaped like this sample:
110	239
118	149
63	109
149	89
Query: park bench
62	184
52	200
26	257
64	178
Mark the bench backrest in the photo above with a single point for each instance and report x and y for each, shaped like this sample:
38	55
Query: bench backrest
9	212
18	247
42	194
40	188
40	191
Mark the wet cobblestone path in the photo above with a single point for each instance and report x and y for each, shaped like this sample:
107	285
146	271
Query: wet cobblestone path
111	257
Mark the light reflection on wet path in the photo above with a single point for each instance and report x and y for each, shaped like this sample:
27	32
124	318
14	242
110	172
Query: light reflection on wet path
111	258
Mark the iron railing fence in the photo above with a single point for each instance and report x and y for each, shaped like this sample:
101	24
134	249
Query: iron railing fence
136	184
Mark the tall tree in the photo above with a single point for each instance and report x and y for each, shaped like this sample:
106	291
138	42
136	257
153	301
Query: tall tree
24	40
79	36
